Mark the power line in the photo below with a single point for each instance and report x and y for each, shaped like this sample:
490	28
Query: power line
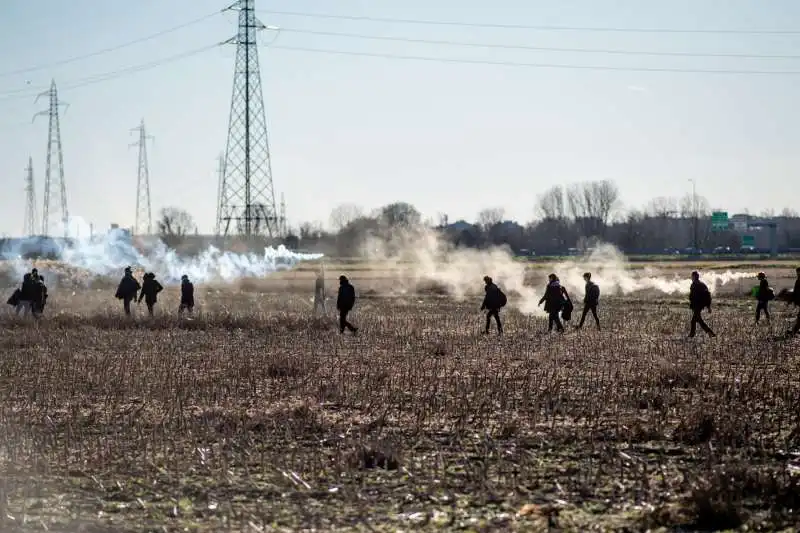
107	50
527	27
106	76
539	65
532	48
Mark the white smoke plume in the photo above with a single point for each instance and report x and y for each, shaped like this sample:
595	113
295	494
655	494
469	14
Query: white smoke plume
108	254
424	256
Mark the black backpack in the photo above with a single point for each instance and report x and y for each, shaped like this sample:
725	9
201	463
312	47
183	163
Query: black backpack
502	299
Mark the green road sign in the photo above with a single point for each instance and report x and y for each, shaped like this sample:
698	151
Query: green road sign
719	221
748	240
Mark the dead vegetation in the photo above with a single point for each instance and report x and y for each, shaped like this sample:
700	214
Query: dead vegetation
254	416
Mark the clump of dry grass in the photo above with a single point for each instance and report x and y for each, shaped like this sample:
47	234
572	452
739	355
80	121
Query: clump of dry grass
254	414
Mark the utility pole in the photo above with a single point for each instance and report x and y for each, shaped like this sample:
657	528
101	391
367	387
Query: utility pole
220	188
29	228
55	194
143	224
247	198
694	213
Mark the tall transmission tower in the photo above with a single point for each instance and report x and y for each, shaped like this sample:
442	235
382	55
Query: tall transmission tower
29	228
248	198
220	188
144	217
55	191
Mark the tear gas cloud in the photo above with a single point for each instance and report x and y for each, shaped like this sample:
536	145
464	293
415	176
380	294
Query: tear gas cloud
108	254
423	256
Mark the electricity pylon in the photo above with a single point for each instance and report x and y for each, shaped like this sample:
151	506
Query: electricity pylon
29	227
247	198
220	188
144	216
55	191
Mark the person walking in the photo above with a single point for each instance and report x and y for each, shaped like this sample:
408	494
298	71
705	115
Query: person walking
345	302
591	299
699	299
494	300
553	301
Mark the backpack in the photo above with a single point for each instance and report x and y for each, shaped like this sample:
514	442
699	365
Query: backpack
770	293
706	297
502	299
594	292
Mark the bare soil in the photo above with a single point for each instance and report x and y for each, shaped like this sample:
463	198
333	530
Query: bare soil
255	416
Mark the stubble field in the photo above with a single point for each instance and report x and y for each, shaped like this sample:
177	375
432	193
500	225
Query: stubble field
256	416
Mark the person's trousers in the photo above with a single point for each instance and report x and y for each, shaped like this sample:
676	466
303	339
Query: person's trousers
343	323
697	319
762	306
496	314
554	320
586	309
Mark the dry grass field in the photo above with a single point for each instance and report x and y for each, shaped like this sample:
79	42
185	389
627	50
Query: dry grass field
255	416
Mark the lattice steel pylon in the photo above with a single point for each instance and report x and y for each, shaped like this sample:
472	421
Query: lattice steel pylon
55	194
143	224
247	197
29	227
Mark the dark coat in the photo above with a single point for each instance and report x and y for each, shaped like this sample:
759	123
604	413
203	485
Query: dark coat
592	295
346	299
128	287
187	293
763	291
553	297
150	289
28	288
699	296
492	300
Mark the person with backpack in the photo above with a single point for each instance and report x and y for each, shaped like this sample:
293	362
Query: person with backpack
764	296
699	299
345	301
590	300
494	300
150	289
187	295
127	289
553	301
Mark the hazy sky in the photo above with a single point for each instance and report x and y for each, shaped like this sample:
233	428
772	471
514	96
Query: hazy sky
448	137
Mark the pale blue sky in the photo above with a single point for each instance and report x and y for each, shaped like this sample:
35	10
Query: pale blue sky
450	138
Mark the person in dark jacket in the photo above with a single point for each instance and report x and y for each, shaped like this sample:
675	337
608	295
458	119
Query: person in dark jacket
345	302
25	296
187	295
796	300
590	300
150	289
39	299
763	297
553	301
493	301
699	299
127	290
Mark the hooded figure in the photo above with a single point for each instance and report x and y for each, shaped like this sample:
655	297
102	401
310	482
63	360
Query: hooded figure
150	290
493	301
553	300
345	302
127	289
187	295
27	293
699	299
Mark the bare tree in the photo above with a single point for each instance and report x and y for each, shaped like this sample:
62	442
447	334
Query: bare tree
550	204
591	204
489	218
694	206
344	214
662	207
174	224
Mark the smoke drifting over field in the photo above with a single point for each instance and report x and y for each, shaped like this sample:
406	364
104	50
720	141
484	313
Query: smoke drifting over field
425	257
109	254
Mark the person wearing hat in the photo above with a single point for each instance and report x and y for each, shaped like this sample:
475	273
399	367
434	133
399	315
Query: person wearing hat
699	299
127	289
765	294
345	302
187	295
